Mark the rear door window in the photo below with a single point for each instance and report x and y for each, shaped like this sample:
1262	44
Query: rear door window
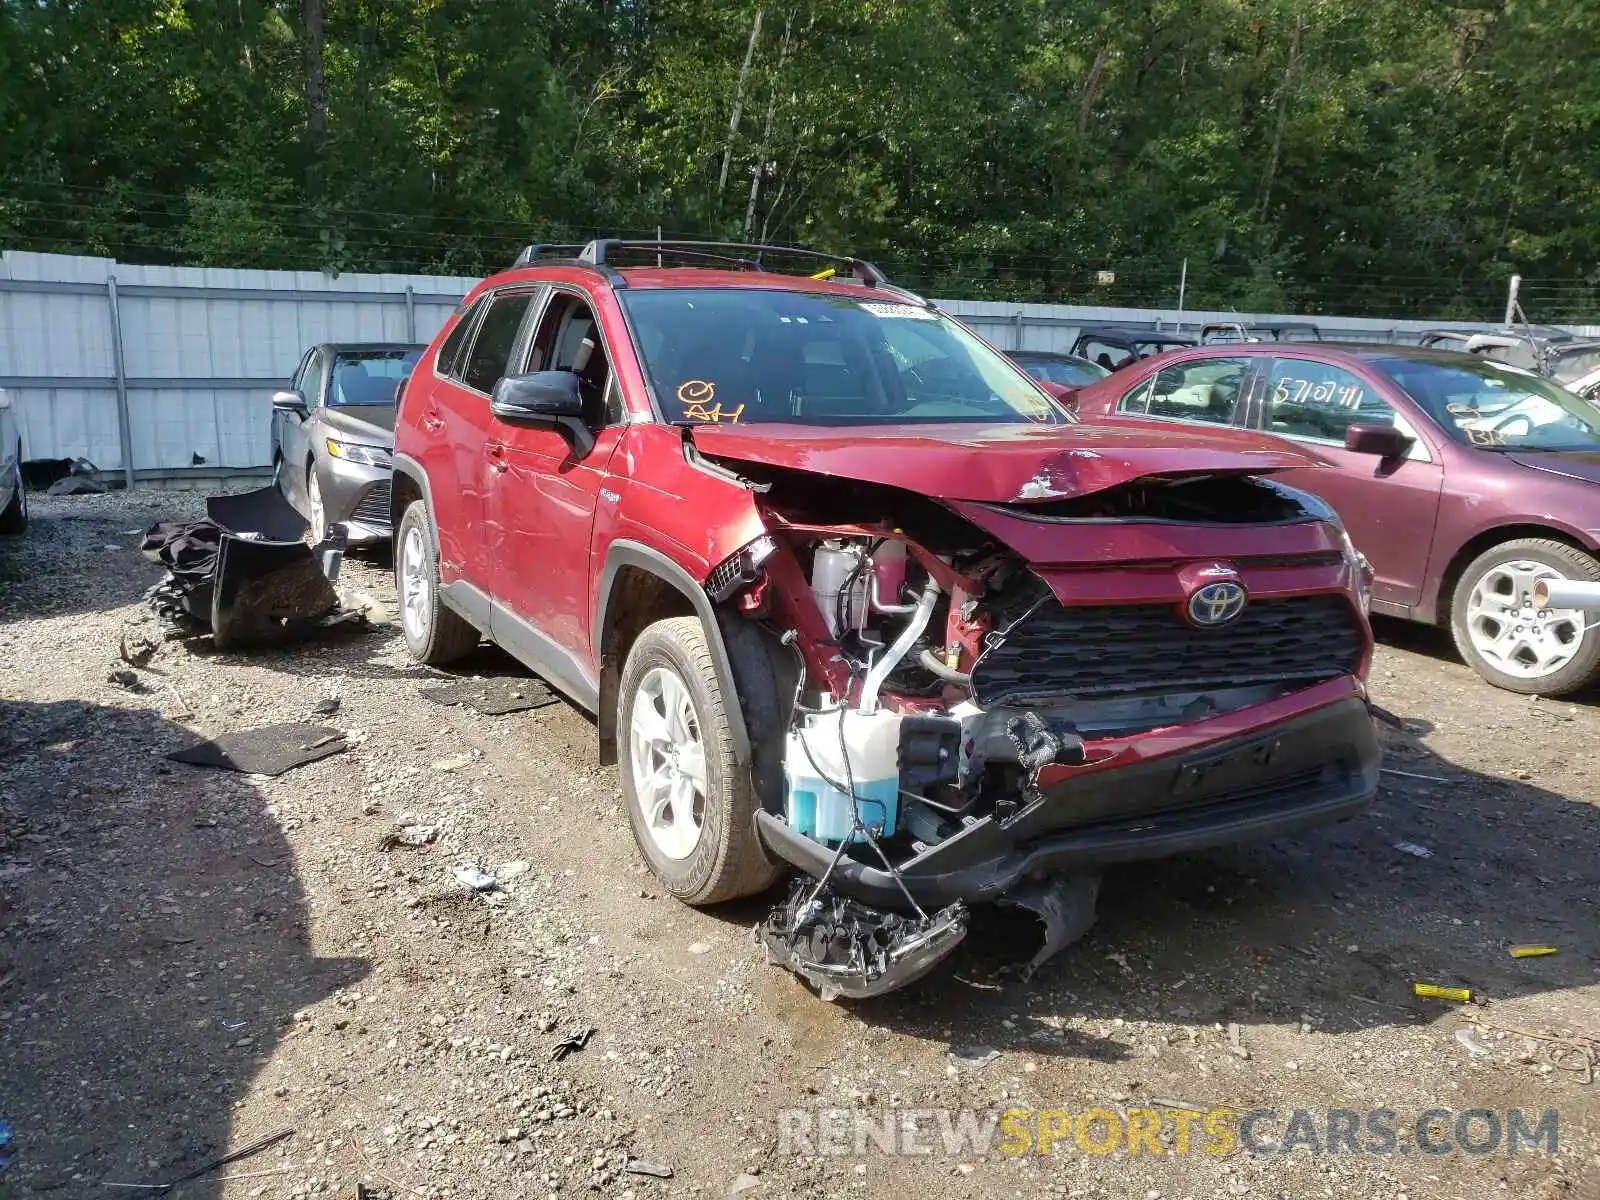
497	335
1208	390
450	352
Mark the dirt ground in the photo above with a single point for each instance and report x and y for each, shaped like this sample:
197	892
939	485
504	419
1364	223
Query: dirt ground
193	959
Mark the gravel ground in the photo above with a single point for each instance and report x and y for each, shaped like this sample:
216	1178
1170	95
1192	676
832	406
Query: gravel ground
193	959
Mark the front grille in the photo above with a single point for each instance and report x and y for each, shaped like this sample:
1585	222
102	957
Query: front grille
374	506
1061	652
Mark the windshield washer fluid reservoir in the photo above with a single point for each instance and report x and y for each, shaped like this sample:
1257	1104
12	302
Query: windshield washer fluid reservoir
813	763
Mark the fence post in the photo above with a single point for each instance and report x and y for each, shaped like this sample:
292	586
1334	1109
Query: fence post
411	313
1016	329
124	424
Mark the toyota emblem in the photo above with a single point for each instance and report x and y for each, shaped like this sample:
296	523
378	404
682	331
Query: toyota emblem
1216	604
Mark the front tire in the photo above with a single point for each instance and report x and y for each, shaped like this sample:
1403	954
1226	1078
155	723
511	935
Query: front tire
434	635
14	518
692	807
316	510
1510	642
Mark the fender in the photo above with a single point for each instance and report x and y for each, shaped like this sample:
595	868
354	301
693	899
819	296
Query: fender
625	553
405	465
1544	525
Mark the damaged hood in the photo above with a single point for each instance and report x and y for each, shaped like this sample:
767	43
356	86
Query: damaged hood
1002	463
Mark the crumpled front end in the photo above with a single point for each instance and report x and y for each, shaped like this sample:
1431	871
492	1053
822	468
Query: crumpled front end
992	702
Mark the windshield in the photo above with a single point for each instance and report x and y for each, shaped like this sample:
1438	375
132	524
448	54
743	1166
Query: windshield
1497	407
369	376
1069	372
753	355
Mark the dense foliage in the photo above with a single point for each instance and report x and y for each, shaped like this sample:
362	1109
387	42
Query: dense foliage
1388	156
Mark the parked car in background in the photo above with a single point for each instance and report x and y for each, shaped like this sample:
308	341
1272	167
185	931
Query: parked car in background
848	593
1048	366
332	433
1548	350
1463	480
1115	346
1259	331
13	493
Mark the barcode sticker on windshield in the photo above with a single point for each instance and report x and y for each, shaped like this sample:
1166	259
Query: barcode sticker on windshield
903	312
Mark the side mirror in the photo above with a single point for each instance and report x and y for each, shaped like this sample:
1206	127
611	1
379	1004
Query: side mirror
1383	440
289	401
544	398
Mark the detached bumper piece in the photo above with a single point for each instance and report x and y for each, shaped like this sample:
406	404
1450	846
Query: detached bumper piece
246	586
843	948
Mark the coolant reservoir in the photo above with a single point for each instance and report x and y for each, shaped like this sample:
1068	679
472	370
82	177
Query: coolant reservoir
832	566
818	809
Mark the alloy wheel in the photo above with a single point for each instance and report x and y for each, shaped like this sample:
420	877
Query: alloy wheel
415	585
669	762
1511	632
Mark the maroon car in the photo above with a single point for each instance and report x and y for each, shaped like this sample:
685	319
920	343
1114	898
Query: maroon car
1463	480
847	592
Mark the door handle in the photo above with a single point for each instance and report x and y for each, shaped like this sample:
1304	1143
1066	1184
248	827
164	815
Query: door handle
497	456
432	421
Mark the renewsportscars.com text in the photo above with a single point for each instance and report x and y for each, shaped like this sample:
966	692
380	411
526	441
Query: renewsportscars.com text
841	1132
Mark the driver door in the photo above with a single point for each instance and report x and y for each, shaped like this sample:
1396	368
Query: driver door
1389	506
541	493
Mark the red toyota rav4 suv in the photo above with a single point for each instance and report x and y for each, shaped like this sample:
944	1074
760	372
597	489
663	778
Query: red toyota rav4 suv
848	592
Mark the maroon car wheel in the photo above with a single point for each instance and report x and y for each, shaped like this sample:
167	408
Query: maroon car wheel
1509	639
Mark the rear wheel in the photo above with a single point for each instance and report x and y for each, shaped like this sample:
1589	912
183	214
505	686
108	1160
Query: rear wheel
14	518
434	635
691	805
1509	640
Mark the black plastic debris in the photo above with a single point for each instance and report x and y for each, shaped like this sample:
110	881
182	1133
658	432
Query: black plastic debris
263	511
572	1044
269	750
248	582
492	697
843	948
1066	905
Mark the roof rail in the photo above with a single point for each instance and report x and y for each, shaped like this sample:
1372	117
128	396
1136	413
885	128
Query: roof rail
744	255
540	250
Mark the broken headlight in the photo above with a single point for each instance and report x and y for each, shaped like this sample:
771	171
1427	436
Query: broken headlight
1360	568
366	456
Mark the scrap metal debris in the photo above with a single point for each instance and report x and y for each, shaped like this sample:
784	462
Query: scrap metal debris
415	837
974	1057
269	750
1413	849
572	1043
1532	951
638	1166
493	697
1576	1053
222	1160
476	879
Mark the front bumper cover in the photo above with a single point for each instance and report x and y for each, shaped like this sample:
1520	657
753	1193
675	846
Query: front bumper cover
1309	769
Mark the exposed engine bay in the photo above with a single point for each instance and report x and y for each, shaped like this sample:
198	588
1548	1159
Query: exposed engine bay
938	681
